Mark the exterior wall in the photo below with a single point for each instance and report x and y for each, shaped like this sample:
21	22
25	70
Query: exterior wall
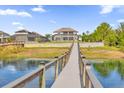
47	45
3	37
21	37
28	38
91	44
62	37
94	44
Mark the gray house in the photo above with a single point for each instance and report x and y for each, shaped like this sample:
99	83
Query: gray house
65	34
3	36
26	36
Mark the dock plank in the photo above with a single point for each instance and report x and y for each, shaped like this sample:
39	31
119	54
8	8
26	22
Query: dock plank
70	75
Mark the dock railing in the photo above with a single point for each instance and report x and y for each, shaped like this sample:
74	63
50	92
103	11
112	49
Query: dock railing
59	62
88	78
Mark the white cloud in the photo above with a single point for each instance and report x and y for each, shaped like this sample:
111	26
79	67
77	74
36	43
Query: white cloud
38	9
15	12
52	21
120	20
105	9
16	23
20	27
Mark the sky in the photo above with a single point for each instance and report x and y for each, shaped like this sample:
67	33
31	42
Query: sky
48	18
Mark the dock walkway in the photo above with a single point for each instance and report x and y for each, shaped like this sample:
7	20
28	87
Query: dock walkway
70	75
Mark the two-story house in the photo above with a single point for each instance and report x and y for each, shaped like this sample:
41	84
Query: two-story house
26	36
3	36
65	34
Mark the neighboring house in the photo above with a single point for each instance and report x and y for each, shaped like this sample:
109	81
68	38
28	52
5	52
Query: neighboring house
26	36
3	36
65	34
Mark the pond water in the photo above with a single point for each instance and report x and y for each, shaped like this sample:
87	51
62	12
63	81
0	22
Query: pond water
110	73
11	70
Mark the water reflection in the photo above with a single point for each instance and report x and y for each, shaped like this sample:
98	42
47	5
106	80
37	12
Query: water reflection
110	72
11	70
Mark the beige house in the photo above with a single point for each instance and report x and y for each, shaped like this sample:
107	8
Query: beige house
3	36
27	36
65	34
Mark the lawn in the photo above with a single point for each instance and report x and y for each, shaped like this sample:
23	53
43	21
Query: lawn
12	52
102	52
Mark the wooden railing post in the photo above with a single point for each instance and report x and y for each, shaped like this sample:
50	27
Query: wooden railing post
42	79
84	76
56	70
62	62
66	57
88	66
90	84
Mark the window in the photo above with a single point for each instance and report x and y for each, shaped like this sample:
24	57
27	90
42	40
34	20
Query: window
57	38
71	33
65	38
71	38
65	32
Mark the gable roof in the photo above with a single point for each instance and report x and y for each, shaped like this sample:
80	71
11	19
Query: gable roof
28	32
65	30
1	32
22	31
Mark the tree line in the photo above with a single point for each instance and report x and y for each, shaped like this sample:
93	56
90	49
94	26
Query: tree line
105	33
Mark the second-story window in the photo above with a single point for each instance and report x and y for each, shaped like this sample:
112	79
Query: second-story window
65	32
70	32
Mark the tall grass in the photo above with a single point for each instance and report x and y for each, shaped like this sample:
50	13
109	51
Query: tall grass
8	51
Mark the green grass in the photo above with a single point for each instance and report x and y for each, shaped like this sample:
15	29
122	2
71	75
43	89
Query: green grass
102	52
14	52
104	48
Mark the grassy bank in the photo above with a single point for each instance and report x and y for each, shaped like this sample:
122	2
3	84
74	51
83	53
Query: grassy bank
102	52
12	52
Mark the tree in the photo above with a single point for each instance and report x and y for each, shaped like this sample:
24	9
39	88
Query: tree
102	31
38	39
120	34
48	36
105	33
10	39
85	37
111	39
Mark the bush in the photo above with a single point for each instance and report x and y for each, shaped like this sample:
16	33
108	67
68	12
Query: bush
122	49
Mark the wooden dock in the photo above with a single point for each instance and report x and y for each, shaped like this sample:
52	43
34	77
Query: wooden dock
70	76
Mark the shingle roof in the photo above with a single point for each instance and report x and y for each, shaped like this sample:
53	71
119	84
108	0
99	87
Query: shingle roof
26	31
1	32
22	31
65	30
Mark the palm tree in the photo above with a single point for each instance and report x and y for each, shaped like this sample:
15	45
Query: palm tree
121	27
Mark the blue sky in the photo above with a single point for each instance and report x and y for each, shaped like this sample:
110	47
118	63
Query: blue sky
46	19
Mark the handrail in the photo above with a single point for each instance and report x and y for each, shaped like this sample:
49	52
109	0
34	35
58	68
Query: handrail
88	78
20	82
94	81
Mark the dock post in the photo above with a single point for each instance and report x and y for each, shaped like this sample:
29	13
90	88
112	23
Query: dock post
42	79
84	76
56	70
